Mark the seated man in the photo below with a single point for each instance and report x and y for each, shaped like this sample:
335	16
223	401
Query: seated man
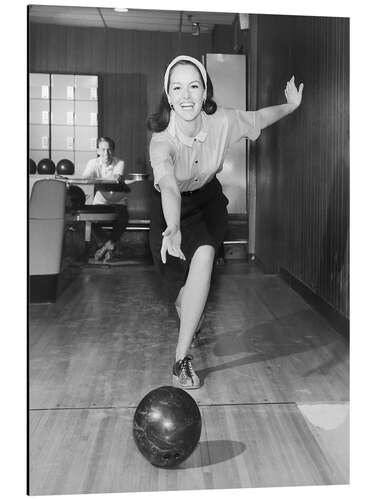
107	166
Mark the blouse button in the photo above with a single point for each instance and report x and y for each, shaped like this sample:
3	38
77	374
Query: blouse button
196	161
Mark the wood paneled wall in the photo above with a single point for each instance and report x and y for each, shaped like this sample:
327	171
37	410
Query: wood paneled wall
302	162
222	40
136	58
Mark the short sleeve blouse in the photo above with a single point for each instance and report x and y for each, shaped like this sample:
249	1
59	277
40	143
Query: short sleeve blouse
195	160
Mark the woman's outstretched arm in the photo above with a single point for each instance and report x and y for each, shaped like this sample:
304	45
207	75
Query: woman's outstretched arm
271	114
171	203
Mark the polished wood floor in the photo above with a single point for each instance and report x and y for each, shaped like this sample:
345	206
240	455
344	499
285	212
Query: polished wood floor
274	400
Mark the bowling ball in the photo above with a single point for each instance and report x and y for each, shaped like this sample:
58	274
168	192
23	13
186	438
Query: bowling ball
65	167
75	199
167	426
32	166
113	197
46	166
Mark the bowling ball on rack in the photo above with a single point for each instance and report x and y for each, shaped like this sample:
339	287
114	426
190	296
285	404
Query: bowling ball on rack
75	198
32	166
46	167
167	426
65	167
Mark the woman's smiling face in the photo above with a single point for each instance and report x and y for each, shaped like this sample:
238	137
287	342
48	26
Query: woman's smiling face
186	91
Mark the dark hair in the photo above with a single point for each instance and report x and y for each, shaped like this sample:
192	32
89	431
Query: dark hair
157	122
111	142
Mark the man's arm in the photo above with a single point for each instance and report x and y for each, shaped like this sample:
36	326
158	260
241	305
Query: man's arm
89	171
119	171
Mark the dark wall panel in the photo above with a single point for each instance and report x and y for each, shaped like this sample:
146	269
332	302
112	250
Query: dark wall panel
302	162
222	39
123	110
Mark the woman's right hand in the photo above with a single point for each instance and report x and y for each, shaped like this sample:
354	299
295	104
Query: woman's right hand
171	243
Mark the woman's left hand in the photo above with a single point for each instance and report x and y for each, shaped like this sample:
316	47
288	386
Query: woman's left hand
293	96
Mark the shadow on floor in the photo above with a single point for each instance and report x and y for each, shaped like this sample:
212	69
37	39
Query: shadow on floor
214	452
297	333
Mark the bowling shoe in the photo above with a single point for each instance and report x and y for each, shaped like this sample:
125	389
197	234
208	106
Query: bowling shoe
108	256
184	375
100	254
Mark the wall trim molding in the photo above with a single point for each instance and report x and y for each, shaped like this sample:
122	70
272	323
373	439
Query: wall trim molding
339	322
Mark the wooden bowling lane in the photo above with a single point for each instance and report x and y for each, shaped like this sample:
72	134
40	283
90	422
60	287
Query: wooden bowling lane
102	347
295	358
329	423
93	451
110	339
273	403
266	445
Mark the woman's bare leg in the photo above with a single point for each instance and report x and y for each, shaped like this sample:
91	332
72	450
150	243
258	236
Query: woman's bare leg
178	309
193	297
178	301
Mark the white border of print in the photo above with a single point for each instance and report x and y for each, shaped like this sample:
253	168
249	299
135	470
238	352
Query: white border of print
13	247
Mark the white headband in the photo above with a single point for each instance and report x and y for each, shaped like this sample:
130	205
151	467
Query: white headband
199	65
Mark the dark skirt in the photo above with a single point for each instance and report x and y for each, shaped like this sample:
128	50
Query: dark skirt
204	220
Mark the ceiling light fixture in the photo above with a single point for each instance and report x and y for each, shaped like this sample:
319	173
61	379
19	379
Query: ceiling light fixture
195	29
244	21
121	9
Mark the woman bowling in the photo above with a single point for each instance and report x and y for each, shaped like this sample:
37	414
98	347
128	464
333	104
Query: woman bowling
189	214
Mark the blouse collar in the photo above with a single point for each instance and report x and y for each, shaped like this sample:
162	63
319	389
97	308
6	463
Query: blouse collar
188	141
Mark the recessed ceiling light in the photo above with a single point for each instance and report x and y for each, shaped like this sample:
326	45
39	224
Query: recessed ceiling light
121	9
195	29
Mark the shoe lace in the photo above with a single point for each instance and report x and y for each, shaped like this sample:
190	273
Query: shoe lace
186	367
